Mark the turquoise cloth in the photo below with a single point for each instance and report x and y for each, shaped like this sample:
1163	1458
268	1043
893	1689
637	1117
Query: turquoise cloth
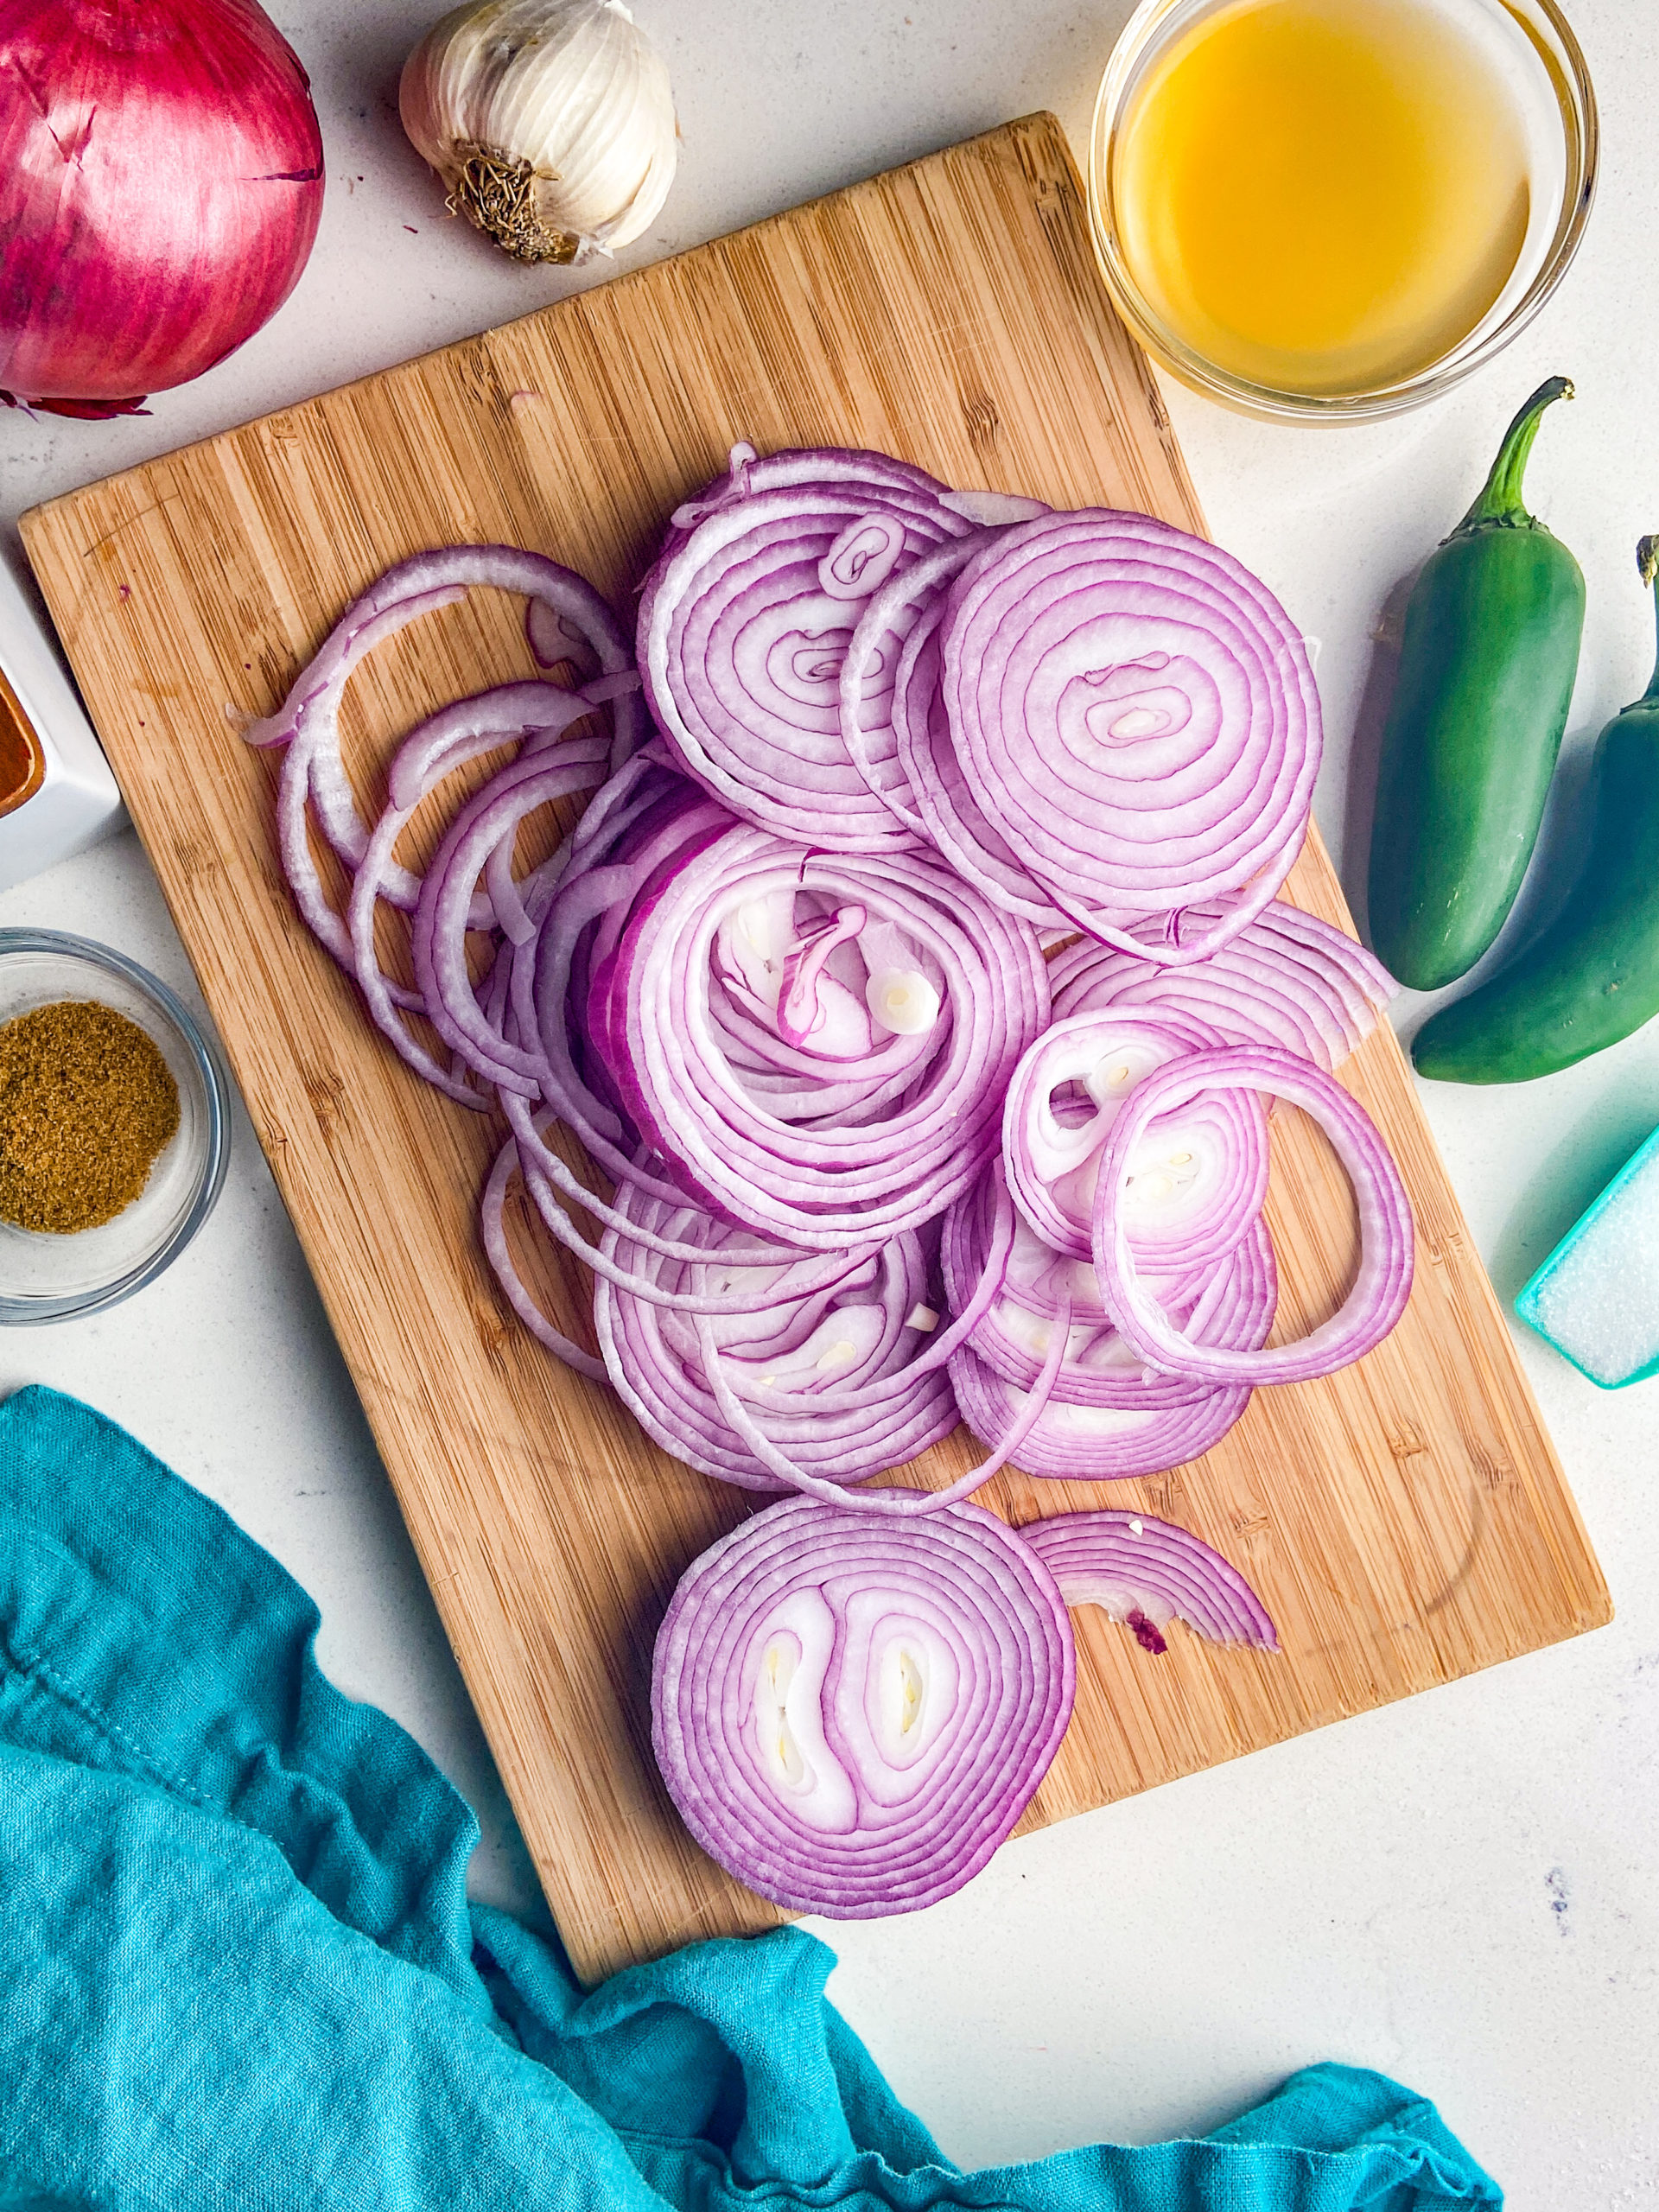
238	1967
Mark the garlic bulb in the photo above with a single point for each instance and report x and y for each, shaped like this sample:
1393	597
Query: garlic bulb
551	122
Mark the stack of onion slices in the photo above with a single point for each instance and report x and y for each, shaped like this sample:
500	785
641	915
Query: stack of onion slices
863	1162
1095	717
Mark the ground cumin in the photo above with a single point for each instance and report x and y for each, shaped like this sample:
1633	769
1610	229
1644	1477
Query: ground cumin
87	1103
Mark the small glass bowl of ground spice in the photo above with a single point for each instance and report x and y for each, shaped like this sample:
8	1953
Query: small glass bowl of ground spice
114	1125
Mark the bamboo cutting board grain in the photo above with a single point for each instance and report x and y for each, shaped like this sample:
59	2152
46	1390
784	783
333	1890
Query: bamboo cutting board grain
1406	1522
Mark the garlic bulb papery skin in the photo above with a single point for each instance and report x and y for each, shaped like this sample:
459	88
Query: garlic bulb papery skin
551	122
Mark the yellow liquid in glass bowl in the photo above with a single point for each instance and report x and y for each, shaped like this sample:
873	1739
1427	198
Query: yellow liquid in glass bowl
1322	196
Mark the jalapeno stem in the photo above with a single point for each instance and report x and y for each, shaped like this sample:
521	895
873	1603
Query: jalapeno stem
1647	567
1500	505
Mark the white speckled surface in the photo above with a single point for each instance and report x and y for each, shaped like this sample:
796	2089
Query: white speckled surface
1462	1891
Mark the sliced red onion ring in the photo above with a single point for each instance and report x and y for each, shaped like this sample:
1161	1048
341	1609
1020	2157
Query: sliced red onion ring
1068	1442
1383	1283
392	601
493	1228
870	669
449	741
894	1504
745	1130
1234	1306
480	838
1286	979
321	686
925	758
1136	715
1200	1179
848	467
743	628
1037	1277
1107	1416
416	586
1232	1303
785	1301
834	1376
1129	1565
851	1719
633	825
554	1188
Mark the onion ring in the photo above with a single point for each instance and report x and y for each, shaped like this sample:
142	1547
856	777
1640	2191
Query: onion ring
850	1719
1129	1564
1383	1284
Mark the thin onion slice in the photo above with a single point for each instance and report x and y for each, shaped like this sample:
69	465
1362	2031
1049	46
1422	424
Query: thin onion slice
898	1503
1200	1179
833	1373
1137	715
1107	1417
913	594
1234	1304
851	1720
744	625
492	1229
449	742
1064	1441
480	843
1383	1284
748	473
1147	1574
714	1088
634	825
555	1189
925	756
440	578
1286	979
311	711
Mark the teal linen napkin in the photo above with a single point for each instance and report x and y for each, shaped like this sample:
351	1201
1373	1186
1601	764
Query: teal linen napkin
238	1967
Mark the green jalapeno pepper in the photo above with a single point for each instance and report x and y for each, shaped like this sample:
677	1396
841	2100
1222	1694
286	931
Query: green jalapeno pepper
1486	672
1593	975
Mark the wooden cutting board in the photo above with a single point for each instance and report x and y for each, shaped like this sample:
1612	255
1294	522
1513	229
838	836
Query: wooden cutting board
1406	1520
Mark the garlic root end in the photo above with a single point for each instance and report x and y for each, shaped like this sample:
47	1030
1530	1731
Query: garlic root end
496	192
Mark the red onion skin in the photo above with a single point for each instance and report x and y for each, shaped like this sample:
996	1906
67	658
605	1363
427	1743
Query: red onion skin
161	186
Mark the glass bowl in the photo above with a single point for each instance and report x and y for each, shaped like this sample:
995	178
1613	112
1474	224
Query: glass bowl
46	1277
1563	178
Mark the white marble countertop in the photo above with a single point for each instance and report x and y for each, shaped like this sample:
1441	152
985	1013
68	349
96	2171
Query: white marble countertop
1462	1891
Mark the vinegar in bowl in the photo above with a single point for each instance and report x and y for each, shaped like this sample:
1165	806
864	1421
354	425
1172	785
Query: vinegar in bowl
1328	197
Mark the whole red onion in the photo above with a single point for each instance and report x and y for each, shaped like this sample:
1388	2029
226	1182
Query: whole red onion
161	184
